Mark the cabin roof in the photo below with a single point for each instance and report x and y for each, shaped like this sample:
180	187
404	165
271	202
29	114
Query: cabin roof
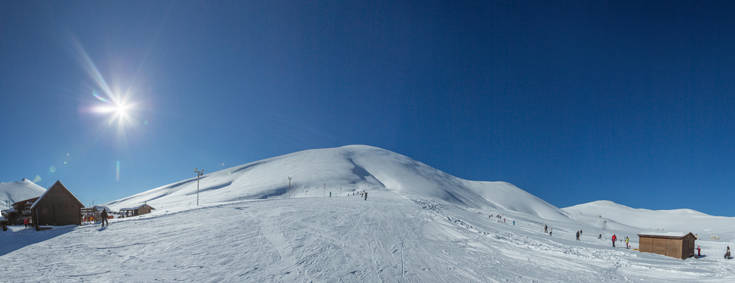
136	207
49	189
25	200
666	235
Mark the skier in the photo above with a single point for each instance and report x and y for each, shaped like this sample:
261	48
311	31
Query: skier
577	235
104	218
627	242
614	238
599	236
514	223
365	193
727	253
546	229
550	231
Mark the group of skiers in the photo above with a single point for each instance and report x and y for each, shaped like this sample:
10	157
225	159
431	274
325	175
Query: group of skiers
501	218
615	238
362	194
579	234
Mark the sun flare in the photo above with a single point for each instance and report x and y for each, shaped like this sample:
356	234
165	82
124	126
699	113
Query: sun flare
118	112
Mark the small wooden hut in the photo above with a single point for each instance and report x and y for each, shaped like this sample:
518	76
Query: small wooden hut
673	244
135	211
57	206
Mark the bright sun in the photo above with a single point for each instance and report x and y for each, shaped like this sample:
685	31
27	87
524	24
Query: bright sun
118	112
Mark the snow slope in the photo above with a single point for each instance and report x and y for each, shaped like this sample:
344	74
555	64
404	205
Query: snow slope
676	220
341	170
388	237
17	191
418	224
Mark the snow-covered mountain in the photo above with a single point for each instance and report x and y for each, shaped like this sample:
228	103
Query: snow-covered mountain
11	192
613	215
342	170
418	224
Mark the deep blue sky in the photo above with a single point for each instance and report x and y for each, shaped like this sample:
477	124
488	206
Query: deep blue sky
575	102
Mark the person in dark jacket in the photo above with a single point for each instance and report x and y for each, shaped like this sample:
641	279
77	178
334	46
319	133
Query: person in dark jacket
365	194
727	253
104	218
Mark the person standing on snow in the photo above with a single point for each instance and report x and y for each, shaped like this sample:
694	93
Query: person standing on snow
550	231
365	194
727	253
546	228
627	242
577	235
614	238
104	218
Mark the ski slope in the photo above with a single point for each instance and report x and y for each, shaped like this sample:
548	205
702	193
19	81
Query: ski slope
418	224
341	170
11	192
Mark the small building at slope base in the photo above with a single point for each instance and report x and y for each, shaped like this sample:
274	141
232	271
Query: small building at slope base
135	211
673	244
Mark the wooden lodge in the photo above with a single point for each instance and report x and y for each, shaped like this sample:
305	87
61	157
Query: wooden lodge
57	206
135	211
20	211
678	245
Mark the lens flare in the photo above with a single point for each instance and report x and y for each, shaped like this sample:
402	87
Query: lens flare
114	104
117	171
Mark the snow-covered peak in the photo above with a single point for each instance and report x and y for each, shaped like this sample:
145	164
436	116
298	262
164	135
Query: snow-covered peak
341	170
11	192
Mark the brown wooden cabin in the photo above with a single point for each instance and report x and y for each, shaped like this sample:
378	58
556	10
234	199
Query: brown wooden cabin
678	245
135	211
57	206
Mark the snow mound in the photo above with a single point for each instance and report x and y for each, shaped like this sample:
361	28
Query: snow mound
11	192
341	171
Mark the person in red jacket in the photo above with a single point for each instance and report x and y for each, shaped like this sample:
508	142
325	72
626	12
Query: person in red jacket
614	238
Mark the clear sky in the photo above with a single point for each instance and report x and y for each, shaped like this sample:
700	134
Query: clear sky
626	101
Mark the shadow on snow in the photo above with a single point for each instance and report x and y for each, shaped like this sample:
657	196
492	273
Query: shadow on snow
12	241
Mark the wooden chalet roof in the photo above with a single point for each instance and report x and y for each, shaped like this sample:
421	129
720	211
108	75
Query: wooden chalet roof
666	235
57	186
